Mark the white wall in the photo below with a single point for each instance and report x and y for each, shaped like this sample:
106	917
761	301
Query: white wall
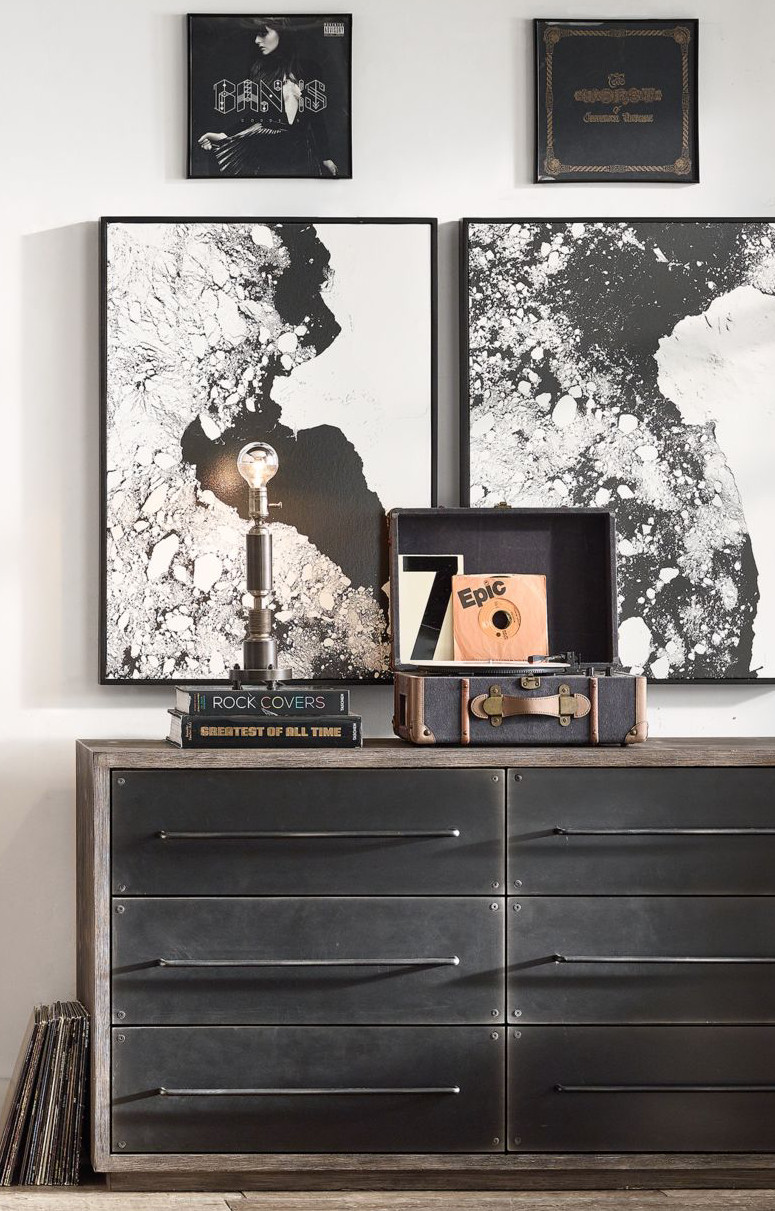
94	123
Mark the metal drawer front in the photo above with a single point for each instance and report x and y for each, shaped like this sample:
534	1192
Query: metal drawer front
651	831
336	960
308	1089
641	959
641	1089
307	832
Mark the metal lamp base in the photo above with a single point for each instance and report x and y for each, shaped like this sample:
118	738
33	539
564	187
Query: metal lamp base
242	677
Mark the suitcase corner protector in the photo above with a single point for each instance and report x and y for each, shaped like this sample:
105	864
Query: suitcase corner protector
415	734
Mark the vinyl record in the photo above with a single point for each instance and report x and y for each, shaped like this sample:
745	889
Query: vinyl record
499	618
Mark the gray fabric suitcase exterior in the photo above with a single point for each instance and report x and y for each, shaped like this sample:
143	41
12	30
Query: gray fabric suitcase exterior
567	709
585	700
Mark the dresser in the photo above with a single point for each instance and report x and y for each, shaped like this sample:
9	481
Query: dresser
403	967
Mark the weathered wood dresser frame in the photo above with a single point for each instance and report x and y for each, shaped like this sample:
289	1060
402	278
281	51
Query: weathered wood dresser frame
633	862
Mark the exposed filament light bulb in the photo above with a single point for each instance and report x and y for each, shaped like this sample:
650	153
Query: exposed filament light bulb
257	463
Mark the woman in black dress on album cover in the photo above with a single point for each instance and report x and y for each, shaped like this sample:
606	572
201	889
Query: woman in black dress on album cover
287	141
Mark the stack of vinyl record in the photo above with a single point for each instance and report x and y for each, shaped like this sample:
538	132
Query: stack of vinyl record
259	717
41	1124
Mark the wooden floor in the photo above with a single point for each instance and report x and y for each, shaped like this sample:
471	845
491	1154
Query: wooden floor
93	1199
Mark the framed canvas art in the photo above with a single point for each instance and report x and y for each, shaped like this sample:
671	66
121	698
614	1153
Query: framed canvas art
318	337
629	364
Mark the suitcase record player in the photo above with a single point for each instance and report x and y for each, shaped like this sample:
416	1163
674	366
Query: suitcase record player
573	693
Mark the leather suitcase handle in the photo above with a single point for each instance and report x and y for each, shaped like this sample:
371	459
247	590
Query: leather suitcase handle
497	706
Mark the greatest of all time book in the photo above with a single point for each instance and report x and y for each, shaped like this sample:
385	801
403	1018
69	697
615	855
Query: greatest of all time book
249	731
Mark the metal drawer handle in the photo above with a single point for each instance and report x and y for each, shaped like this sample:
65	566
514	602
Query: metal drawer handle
660	959
664	832
452	961
664	1088
163	1092
380	835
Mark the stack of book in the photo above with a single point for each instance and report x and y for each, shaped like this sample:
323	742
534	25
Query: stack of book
298	717
42	1120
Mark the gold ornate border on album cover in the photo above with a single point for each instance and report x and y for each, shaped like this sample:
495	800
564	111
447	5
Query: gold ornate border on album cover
683	164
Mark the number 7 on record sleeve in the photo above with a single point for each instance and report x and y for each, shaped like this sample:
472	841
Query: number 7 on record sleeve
425	606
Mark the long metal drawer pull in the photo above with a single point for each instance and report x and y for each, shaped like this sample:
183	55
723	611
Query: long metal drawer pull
664	832
660	959
163	1092
664	1088
347	835
452	961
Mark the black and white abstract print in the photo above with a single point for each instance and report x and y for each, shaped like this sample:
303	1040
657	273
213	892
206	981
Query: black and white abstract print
631	366
314	337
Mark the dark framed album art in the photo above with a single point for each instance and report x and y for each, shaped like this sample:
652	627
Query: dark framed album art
269	96
629	365
316	336
616	100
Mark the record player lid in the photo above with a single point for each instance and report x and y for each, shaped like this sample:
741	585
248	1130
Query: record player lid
574	548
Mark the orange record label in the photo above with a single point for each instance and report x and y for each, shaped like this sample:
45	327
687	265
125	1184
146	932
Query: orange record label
499	617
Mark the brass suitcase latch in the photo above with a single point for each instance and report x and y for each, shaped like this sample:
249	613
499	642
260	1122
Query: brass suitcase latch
493	705
568	703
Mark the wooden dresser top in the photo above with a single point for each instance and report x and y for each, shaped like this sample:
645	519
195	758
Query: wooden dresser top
387	754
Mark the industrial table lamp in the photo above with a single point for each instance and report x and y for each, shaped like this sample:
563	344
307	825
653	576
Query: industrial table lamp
257	463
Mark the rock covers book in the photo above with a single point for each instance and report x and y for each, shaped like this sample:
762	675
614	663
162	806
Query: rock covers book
220	700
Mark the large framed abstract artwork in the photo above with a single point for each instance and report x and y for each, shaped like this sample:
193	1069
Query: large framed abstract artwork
318	337
629	364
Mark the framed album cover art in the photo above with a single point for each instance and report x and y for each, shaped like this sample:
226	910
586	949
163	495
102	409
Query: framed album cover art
318	337
628	365
616	100
269	96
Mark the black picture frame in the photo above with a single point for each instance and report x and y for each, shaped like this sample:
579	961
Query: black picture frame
597	122
707	227
302	134
380	538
